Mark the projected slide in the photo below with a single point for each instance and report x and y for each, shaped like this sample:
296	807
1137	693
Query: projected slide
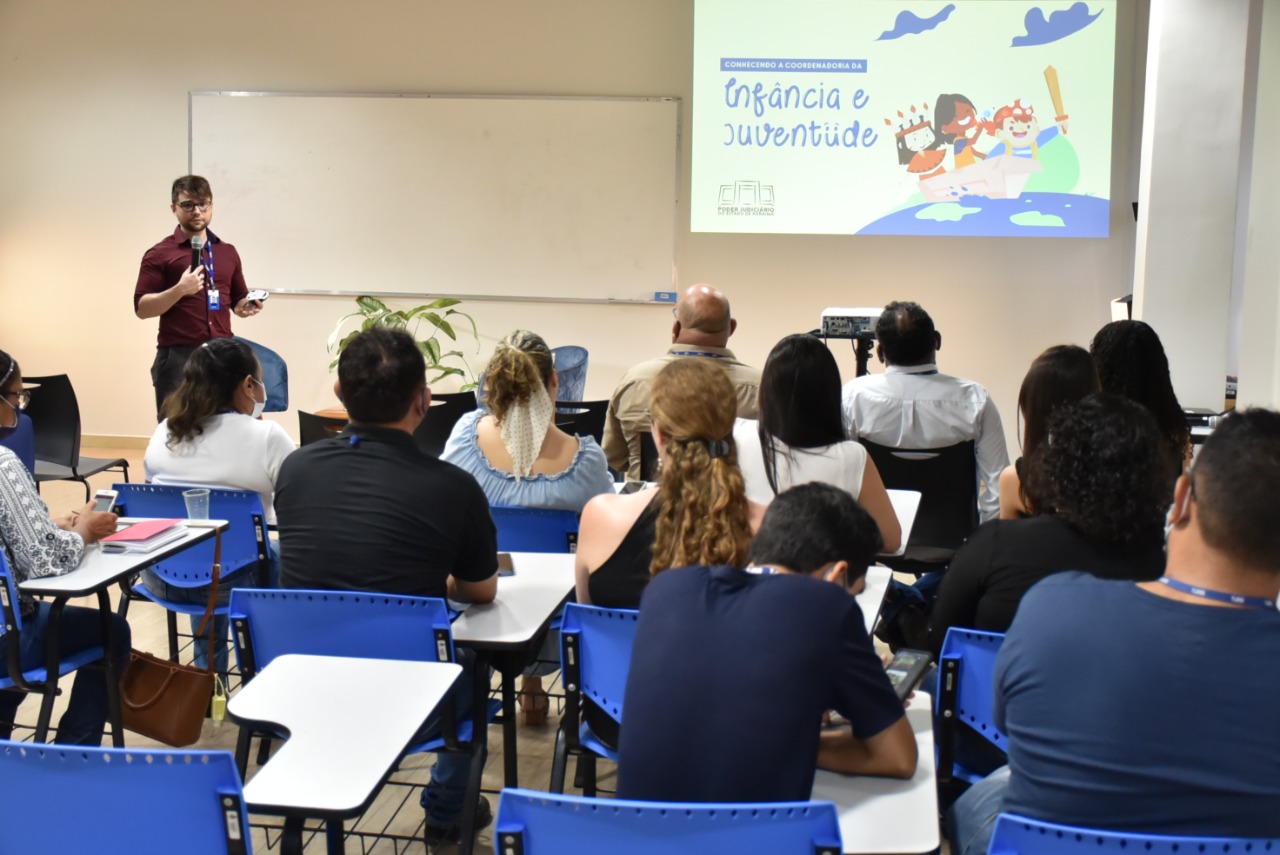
903	117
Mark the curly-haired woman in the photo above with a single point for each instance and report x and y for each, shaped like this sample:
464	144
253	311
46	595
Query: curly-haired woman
699	514
1099	486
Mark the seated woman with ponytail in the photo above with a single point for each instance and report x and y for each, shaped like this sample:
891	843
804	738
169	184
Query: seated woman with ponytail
515	451
212	436
519	457
699	514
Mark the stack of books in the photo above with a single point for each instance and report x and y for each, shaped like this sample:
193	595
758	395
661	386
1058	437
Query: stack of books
146	536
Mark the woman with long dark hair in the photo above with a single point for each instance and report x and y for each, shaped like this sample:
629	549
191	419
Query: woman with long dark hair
212	436
800	436
1131	362
1061	375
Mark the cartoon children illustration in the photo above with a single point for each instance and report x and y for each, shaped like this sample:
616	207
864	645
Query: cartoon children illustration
1018	130
956	123
917	144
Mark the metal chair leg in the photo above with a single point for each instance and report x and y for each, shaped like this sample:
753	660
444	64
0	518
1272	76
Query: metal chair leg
172	622
559	762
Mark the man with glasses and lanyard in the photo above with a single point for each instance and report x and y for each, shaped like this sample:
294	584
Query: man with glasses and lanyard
193	300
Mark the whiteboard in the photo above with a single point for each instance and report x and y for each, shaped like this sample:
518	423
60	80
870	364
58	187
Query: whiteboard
479	197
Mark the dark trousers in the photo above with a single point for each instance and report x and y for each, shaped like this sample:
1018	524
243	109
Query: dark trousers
79	628
166	373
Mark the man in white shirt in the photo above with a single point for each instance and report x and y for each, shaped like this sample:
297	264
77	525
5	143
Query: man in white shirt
912	406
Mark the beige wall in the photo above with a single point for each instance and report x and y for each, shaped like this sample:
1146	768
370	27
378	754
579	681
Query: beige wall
1259	345
93	127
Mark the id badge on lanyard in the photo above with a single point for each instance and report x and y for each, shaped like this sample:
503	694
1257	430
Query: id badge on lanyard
215	296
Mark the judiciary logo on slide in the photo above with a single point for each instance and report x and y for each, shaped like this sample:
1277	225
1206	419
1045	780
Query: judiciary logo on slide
968	118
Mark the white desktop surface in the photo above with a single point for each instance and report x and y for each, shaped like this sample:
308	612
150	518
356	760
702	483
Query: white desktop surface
98	569
886	815
525	602
873	594
905	504
348	720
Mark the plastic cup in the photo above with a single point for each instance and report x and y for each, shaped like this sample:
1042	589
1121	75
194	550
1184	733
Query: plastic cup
197	501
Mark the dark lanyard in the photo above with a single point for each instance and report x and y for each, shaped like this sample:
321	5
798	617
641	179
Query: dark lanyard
1217	596
697	353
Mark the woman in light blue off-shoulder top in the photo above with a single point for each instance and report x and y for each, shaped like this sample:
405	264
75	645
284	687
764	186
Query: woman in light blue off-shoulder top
521	458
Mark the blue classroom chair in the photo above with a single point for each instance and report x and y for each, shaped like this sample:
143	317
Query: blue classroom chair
269	622
144	802
34	680
1018	835
534	823
595	658
21	439
965	703
244	549
535	529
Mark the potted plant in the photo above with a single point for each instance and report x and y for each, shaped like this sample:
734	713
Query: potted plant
440	317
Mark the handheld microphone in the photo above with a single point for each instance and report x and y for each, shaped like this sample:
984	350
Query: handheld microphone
197	245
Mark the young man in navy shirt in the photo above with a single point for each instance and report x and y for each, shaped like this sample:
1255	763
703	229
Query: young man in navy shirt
733	669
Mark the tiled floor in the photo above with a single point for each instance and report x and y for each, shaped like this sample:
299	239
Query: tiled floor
396	809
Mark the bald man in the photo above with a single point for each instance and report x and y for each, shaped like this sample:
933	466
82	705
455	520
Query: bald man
701	331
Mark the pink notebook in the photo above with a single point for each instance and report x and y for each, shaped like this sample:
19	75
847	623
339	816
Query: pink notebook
141	531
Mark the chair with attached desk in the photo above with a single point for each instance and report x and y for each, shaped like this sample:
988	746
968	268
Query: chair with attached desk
1019	835
244	547
595	658
650	460
533	823
144	802
535	529
582	418
33	680
55	415
948	510
442	415
313	428
268	623
965	714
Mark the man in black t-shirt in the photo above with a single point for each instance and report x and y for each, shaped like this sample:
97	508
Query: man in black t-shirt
732	669
368	511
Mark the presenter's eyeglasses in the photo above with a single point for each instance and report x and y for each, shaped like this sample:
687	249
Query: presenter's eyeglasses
190	206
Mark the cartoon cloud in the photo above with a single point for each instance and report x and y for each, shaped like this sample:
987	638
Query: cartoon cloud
1060	24
910	24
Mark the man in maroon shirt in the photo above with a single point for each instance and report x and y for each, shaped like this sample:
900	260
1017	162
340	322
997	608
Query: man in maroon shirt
193	301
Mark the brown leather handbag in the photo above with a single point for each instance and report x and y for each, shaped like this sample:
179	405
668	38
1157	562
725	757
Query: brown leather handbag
167	701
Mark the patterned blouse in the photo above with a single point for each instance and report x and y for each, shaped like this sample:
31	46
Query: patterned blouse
33	544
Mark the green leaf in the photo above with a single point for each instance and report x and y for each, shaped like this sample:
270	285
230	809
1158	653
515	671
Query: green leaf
475	333
442	325
445	371
370	305
442	303
431	349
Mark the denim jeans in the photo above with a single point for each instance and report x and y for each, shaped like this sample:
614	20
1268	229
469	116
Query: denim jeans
78	629
972	818
443	797
200	596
